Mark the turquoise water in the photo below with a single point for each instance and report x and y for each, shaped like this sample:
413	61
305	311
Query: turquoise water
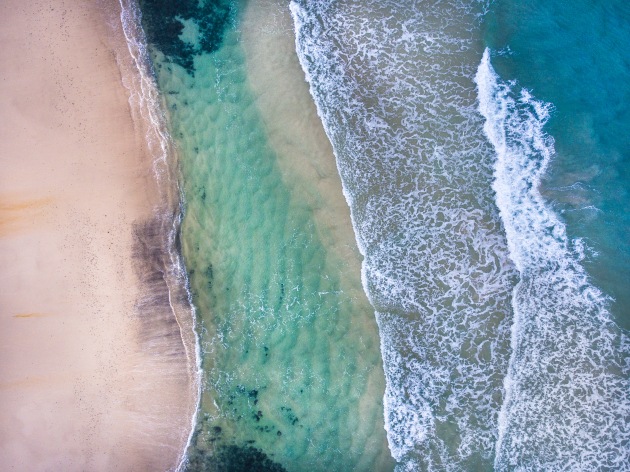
292	373
483	153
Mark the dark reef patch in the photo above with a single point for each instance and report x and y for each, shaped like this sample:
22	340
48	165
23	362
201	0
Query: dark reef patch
163	22
289	415
232	459
209	273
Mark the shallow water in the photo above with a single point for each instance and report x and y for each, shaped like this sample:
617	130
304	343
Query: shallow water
483	155
293	377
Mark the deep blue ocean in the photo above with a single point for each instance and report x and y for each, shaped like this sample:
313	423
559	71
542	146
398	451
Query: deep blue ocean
575	56
471	311
561	114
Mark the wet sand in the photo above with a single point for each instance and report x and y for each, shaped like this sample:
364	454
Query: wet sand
93	371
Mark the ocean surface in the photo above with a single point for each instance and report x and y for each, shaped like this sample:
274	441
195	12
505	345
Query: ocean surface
471	309
292	373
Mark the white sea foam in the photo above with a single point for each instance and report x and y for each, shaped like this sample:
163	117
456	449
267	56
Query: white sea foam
567	404
392	84
145	104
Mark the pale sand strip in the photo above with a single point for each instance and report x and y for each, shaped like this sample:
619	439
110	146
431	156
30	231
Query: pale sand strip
93	373
307	161
294	130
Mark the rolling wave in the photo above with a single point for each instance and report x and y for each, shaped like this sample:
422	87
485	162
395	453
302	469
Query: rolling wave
566	405
393	87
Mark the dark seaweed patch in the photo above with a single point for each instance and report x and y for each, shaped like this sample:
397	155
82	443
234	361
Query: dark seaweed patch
233	458
265	429
289	415
209	273
215	433
162	22
281	299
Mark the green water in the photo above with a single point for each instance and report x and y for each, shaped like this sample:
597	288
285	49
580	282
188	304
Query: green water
292	373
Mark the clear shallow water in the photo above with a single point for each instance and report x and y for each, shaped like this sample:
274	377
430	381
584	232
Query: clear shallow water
489	197
292	378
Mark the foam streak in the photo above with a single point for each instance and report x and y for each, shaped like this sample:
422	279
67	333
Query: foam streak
567	403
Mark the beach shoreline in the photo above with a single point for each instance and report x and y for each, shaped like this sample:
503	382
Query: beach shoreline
98	363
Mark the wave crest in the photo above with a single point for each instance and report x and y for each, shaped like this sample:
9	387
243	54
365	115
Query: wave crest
567	405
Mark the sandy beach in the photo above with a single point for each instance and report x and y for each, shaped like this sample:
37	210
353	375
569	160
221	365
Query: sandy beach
93	371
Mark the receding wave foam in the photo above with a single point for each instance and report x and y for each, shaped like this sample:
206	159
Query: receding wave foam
567	403
145	104
393	85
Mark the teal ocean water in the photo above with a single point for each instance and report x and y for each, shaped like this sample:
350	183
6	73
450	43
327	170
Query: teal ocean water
553	89
292	373
574	56
471	311
482	151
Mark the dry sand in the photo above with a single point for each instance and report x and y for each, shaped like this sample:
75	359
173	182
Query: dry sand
93	371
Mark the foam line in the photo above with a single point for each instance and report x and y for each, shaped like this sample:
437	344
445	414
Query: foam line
567	402
144	99
416	174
